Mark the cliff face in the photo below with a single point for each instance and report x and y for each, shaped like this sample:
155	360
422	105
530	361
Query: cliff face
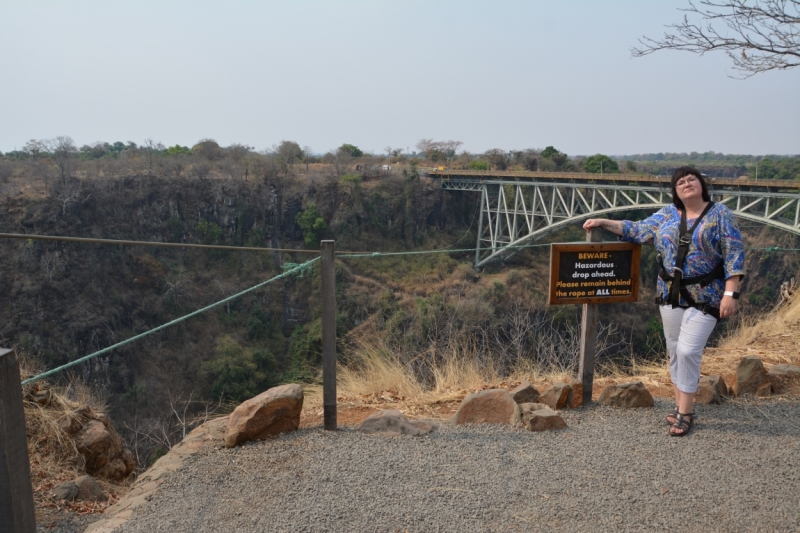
65	300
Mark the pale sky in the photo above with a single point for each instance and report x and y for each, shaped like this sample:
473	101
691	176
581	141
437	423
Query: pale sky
493	74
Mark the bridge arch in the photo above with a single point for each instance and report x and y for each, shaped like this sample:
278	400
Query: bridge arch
514	212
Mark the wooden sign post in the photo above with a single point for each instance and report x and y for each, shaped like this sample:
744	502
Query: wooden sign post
328	336
16	492
591	274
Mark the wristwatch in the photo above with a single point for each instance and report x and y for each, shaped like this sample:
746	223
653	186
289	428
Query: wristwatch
732	294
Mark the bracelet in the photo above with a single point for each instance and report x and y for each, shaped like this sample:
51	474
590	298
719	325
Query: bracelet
732	294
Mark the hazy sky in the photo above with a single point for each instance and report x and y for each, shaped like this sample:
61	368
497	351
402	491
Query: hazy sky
505	74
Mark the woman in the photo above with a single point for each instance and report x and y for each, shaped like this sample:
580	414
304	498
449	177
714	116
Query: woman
692	295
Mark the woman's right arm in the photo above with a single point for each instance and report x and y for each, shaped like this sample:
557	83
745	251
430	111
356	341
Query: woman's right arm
613	226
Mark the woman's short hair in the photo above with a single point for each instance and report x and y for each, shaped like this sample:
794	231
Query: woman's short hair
680	173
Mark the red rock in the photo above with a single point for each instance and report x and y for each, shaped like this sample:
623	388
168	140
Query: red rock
556	396
750	377
544	420
493	406
525	393
272	412
784	378
392	423
627	395
575	397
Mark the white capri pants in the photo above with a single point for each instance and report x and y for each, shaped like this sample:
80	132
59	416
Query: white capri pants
686	331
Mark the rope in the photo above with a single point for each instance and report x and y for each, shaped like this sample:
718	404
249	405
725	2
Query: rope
355	255
301	268
150	243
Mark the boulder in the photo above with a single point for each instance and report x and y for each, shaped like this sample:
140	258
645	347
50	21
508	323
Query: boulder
545	419
627	395
751	377
556	396
575	396
493	406
784	378
66	491
392	423
525	393
274	411
89	490
711	390
103	449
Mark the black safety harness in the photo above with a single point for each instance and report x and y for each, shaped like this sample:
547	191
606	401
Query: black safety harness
679	283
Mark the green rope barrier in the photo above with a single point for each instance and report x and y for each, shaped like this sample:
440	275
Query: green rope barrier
304	267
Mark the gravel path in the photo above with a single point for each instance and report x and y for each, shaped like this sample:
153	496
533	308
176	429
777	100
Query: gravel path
611	470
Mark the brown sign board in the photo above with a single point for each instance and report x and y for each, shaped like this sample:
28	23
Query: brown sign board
594	273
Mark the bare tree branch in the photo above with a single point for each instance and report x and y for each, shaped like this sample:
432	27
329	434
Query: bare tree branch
758	35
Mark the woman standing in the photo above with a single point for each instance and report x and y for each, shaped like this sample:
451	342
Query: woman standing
702	263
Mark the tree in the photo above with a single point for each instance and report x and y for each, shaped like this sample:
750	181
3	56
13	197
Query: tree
351	150
557	159
209	149
289	153
62	150
497	157
757	35
151	149
312	224
600	163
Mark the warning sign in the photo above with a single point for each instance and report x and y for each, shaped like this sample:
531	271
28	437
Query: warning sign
592	273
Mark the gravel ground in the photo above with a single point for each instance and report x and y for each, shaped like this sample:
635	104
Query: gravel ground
611	470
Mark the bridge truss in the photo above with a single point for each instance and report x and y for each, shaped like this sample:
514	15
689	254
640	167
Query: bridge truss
515	212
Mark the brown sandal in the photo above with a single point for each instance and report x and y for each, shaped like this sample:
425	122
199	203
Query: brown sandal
682	424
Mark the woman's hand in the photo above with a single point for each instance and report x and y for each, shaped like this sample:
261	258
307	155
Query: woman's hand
611	225
727	307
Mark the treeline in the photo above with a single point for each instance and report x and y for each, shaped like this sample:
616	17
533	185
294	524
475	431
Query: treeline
207	157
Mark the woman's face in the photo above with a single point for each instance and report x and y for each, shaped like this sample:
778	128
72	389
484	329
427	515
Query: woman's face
689	188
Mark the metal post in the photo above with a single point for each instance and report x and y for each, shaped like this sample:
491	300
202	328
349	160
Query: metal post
589	335
328	336
16	492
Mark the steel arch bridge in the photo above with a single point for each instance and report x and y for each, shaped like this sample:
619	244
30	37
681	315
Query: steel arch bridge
518	207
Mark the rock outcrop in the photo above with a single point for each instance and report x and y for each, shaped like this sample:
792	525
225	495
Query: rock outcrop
274	411
494	406
102	448
392	423
627	395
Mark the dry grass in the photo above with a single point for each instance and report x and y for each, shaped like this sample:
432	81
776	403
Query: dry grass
53	454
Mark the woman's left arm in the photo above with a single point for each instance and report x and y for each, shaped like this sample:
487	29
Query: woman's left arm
732	260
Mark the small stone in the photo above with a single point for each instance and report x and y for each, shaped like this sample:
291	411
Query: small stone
545	419
274	411
66	491
392	423
556	396
784	378
89	490
525	393
750	376
528	408
627	395
493	406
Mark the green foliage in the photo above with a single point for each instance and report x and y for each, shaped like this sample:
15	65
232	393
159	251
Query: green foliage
600	163
312	224
305	352
549	152
234	371
178	149
478	165
209	232
351	150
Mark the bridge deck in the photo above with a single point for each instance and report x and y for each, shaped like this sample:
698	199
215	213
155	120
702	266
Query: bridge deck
525	175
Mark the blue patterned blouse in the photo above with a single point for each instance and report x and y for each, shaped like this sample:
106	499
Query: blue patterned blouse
716	239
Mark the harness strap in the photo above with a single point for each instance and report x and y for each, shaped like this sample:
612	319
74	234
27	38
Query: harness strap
705	308
685	238
703	279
